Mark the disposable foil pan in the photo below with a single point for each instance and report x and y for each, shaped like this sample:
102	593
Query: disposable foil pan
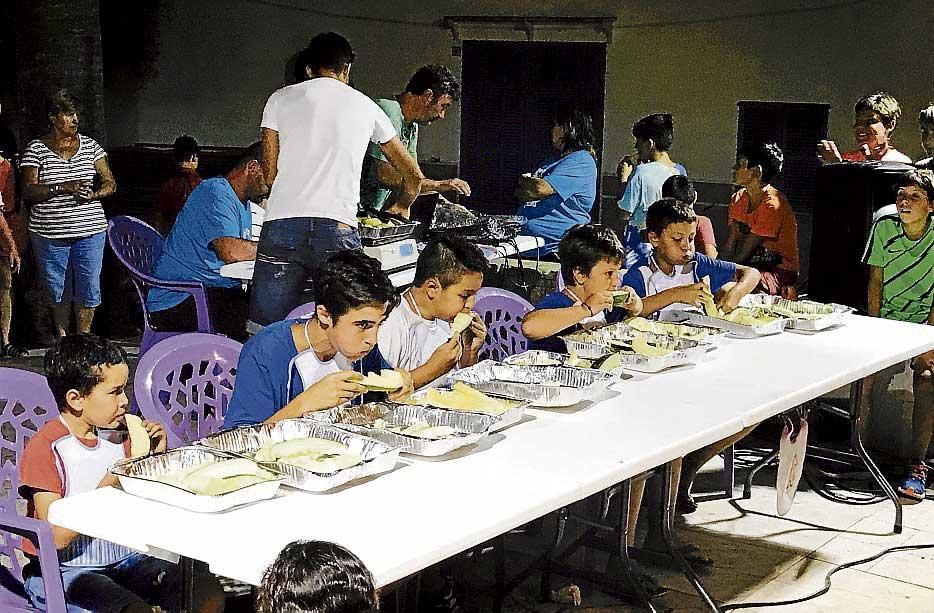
541	386
617	338
712	338
468	427
381	236
806	314
648	364
739	330
501	421
138	477
377	456
536	357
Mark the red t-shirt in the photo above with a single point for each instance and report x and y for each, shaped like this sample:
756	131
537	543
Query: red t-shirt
773	220
8	226
704	235
174	192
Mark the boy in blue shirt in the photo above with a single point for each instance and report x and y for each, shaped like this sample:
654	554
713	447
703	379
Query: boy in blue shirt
296	366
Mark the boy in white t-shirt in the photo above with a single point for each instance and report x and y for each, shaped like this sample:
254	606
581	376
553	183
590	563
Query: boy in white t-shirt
417	336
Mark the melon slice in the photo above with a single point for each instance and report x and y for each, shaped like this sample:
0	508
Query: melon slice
710	307
386	381
642	347
140	444
221	477
620	297
461	323
423	429
610	362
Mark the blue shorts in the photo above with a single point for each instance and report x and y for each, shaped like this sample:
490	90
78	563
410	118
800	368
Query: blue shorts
288	254
137	579
69	269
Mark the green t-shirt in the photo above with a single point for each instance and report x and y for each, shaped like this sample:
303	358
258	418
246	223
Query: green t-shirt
907	269
372	195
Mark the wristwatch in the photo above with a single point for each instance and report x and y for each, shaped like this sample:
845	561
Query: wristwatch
54	189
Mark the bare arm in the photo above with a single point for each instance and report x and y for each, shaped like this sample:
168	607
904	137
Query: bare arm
747	278
230	249
875	292
685	294
270	155
42	500
108	183
730	245
35	192
409	172
532	188
542	323
746	247
390	178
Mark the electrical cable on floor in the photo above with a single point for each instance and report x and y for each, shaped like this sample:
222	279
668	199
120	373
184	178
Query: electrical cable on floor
827	582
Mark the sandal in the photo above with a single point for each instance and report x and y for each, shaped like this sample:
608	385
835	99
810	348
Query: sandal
12	351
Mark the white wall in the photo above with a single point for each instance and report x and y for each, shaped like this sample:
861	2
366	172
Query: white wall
219	61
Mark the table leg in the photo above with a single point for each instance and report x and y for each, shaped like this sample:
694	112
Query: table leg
623	545
747	485
187	567
672	546
545	583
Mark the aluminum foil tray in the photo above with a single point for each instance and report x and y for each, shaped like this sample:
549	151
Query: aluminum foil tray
812	316
381	236
541	386
138	477
469	427
739	330
678	357
501	421
712	339
378	457
536	357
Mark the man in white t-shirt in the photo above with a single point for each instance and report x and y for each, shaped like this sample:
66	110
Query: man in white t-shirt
315	135
417	335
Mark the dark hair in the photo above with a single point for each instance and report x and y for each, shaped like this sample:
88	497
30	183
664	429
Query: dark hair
75	362
249	154
316	577
766	155
883	104
659	127
662	213
927	114
447	258
62	102
578	130
439	79
680	188
919	178
185	148
351	279
327	51
584	246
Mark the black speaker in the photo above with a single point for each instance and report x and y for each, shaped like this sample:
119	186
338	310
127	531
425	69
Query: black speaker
847	194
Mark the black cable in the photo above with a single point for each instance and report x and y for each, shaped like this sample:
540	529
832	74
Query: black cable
827	582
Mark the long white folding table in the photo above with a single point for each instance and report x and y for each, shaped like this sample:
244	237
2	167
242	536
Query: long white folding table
425	511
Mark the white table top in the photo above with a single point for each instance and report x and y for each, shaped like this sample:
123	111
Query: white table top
244	270
425	511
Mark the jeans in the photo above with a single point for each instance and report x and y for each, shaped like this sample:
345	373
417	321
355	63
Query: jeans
289	253
70	269
228	307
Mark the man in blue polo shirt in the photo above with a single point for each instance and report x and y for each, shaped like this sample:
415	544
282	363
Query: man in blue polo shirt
212	229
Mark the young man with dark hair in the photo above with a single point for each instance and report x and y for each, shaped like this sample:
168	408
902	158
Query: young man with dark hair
418	336
926	125
212	229
72	455
295	366
429	94
176	189
875	117
681	189
315	136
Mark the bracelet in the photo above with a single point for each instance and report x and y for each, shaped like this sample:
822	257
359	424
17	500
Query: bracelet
54	189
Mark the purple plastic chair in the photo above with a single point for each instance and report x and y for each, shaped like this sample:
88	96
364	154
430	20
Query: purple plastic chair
185	383
138	245
301	311
26	403
502	312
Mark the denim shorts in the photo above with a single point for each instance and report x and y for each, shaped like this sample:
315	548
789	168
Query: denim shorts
69	269
288	254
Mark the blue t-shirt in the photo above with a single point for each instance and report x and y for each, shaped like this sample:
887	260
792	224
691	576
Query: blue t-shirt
720	272
265	383
212	211
574	179
559	300
645	187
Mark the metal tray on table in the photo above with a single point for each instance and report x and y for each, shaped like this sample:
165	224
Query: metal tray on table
735	329
617	338
469	428
541	386
371	236
377	456
711	337
139	476
805	315
501	421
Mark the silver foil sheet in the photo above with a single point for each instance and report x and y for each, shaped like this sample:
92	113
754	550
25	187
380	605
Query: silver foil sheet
139	477
501	421
802	314
469	428
377	456
541	386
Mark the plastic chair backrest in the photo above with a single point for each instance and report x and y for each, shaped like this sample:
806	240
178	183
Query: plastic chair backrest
185	383
502	312
301	311
136	244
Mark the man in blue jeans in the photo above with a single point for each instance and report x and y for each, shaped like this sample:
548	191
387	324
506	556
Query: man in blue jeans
315	135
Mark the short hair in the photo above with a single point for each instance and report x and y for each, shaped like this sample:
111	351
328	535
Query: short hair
316	577
883	104
659	127
75	363
584	246
351	279
680	188
249	154
448	258
327	51
184	148
439	79
578	129
919	178
62	102
766	155
927	114
662	213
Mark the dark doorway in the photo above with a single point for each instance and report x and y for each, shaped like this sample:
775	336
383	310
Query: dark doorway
510	91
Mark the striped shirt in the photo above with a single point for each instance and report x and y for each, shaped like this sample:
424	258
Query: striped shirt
907	269
62	216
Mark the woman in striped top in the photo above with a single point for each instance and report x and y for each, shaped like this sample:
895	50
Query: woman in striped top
66	220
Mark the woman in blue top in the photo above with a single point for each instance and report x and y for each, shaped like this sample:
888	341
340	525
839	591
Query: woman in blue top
562	191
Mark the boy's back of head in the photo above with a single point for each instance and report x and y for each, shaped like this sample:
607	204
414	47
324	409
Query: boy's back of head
351	279
680	188
767	156
584	246
659	127
448	258
75	363
662	213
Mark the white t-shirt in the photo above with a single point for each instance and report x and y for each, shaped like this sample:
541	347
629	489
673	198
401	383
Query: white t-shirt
324	129
406	339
